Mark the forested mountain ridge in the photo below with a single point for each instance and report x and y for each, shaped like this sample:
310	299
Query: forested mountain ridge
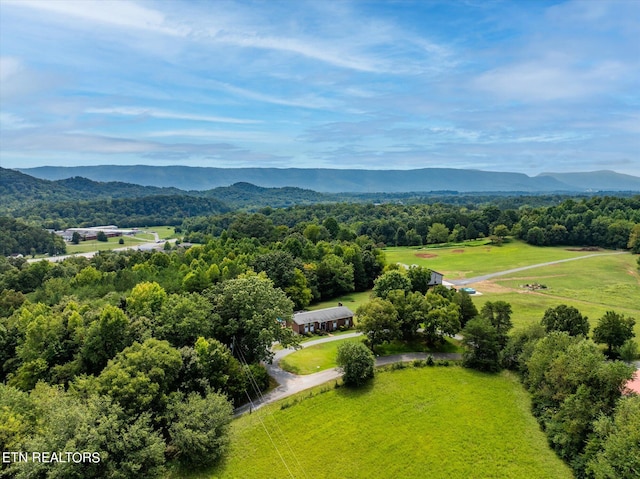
336	181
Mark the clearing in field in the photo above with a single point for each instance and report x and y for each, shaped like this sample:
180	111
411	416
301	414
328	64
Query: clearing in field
411	423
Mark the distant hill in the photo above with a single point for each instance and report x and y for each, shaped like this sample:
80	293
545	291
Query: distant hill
321	180
604	180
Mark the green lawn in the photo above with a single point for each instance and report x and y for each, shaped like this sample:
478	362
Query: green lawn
350	300
315	358
323	356
94	245
412	423
467	262
164	232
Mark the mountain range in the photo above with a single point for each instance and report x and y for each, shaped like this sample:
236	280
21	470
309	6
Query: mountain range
337	180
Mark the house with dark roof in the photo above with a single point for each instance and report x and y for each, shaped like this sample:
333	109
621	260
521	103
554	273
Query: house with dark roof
328	319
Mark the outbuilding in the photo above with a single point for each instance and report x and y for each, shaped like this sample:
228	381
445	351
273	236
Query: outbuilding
328	319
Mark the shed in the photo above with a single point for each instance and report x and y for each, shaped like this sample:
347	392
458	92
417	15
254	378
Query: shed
328	319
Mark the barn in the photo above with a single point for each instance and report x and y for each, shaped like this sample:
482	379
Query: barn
328	319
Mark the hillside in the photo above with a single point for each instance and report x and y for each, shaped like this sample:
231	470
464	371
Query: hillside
605	180
322	180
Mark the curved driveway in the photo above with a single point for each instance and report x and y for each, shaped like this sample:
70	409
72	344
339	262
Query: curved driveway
477	279
289	383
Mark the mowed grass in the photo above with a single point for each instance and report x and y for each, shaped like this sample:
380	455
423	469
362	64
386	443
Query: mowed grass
164	232
315	358
323	356
95	245
592	285
470	261
411	423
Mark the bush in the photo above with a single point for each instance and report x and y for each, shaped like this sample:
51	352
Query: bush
357	363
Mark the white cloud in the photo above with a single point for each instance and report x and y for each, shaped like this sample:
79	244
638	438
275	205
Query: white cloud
9	67
117	13
169	115
9	121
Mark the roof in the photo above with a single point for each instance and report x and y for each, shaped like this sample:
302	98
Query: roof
634	383
323	315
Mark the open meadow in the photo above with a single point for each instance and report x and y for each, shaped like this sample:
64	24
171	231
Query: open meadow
593	285
436	422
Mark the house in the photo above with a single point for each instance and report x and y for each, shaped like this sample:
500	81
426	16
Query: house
328	319
436	278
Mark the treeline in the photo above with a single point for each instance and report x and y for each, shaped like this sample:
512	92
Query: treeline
608	222
577	391
17	237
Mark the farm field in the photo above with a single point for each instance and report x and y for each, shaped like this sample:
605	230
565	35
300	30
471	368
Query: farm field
411	423
466	262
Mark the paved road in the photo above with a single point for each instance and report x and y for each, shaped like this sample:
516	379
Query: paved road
477	279
289	384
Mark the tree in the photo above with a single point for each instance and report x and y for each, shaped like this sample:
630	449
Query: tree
628	351
438	233
146	299
335	277
141	376
378	320
356	362
199	429
501	231
468	310
617	440
390	281
565	318
101	236
75	237
419	277
499	314
613	329
248	313
442	318
483	345
634	239
182	319
105	337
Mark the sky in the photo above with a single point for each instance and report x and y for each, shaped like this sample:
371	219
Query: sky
528	86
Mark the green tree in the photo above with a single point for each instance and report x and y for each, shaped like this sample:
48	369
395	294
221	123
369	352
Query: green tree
442	318
335	277
419	277
483	345
75	237
199	430
565	318
101	236
356	362
617	440
501	231
141	376
105	337
378	320
613	329
634	239
499	314
438	233
391	281
629	350
468	310
182	319
248	313
146	299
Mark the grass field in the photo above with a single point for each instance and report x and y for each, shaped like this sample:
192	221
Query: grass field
94	245
467	262
593	285
164	232
411	423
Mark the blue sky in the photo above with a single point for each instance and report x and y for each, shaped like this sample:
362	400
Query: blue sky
528	86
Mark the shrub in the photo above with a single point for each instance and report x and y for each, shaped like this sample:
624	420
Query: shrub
357	363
